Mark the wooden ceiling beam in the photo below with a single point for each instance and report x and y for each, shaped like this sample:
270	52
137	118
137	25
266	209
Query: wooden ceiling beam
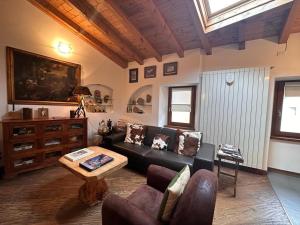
151	6
242	45
287	29
61	18
141	40
195	13
90	13
241	35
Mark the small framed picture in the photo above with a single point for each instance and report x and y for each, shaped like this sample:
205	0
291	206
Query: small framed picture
150	72
133	75
43	113
170	68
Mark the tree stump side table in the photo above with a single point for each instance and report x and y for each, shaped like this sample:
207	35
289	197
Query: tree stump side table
95	187
236	159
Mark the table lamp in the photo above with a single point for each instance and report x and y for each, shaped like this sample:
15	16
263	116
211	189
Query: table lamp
80	92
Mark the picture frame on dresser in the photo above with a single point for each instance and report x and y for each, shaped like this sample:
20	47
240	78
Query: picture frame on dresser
40	80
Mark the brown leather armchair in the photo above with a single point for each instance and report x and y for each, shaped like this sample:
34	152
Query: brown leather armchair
195	207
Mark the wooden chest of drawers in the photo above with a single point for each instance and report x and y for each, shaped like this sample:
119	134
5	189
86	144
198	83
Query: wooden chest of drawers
34	144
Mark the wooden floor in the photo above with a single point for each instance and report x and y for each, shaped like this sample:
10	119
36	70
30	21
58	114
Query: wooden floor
49	196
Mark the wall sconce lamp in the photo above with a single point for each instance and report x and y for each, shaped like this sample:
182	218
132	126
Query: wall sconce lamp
63	48
229	79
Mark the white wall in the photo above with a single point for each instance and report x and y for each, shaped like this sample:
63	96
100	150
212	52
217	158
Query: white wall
284	155
284	59
25	27
189	70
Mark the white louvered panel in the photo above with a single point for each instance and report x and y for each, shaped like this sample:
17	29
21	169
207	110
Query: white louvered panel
236	114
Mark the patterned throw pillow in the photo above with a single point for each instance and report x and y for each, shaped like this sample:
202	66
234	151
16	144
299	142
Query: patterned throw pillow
187	143
160	142
135	134
173	193
190	146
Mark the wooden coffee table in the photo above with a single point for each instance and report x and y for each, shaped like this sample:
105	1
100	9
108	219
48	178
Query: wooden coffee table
95	186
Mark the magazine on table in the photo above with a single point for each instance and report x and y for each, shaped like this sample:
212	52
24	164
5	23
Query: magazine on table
79	154
229	150
95	162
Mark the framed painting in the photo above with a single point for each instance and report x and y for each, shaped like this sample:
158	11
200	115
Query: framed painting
150	72
170	68
40	80
133	75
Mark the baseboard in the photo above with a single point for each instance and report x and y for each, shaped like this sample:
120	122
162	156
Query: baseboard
289	173
243	168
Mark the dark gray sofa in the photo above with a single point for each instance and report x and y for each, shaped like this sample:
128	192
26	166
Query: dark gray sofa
140	157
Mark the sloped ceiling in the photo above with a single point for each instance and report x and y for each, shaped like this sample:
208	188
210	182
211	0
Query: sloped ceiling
134	30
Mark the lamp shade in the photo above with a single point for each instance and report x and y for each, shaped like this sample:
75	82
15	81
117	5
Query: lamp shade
81	90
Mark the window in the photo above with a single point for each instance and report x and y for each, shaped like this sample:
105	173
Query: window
181	107
215	14
286	111
217	5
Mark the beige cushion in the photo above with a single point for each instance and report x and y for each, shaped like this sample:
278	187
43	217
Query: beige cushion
173	193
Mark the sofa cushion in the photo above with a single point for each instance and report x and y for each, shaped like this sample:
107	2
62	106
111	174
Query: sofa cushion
190	146
160	142
169	159
172	140
135	134
182	139
173	193
150	134
132	149
145	195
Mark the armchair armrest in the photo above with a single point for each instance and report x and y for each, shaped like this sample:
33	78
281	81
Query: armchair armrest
159	177
116	211
114	138
205	158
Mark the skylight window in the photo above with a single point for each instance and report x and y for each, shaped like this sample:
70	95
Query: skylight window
217	5
215	14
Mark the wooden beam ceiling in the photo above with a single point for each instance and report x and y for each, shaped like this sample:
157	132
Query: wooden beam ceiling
106	28
134	30
150	5
194	11
291	19
61	18
142	41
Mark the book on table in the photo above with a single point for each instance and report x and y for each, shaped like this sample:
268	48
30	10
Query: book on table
95	162
79	154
